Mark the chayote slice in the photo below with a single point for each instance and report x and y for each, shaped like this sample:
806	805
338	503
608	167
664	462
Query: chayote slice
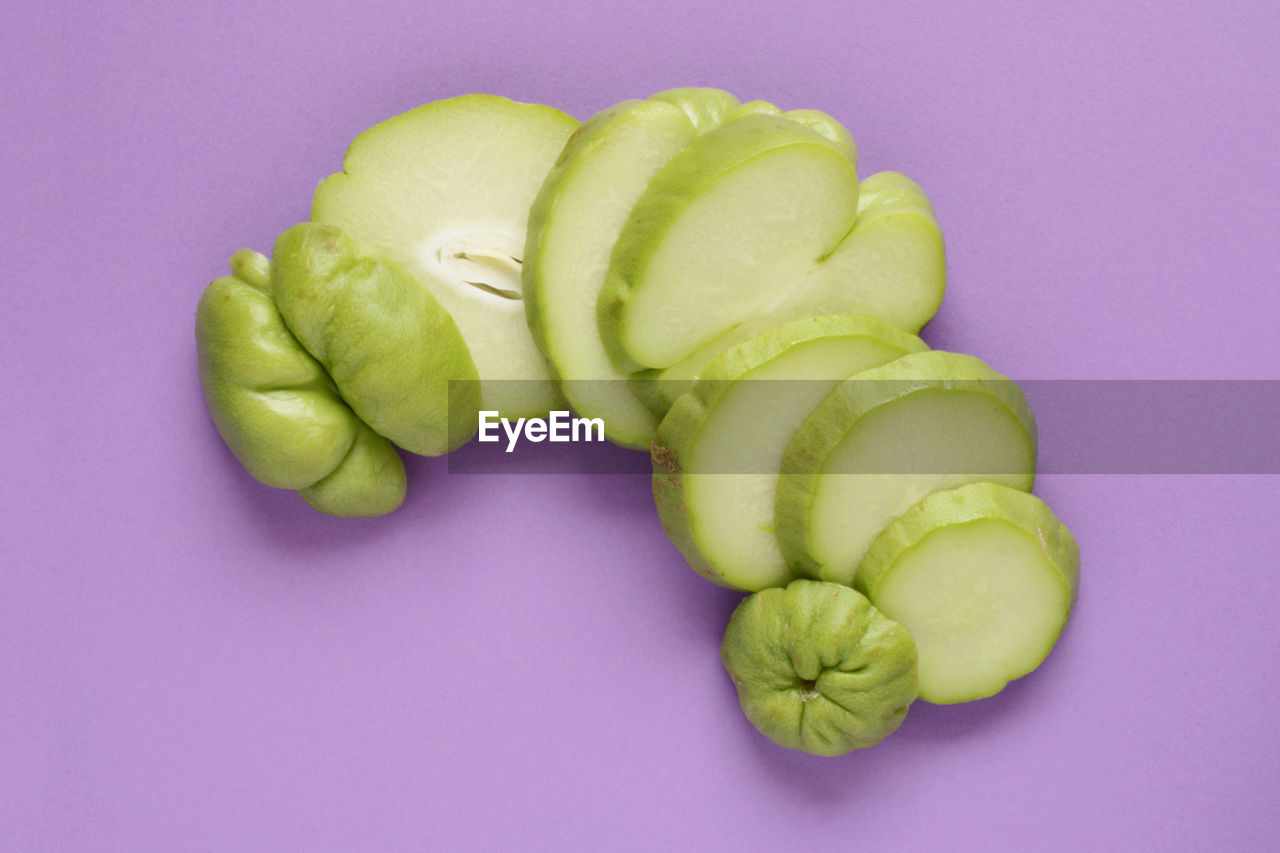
275	407
388	344
818	668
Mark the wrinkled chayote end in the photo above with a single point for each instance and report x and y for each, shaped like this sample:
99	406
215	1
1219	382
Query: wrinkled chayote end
370	481
388	344
275	407
818	668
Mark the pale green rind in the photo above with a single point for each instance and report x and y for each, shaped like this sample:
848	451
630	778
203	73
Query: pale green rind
389	346
806	512
668	482
659	388
734	363
818	668
271	402
896	239
731	241
754	561
650	387
1024	515
369	481
573	225
444	190
972	502
751	108
711	171
705	108
824	124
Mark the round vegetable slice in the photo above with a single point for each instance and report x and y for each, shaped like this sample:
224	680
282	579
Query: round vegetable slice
718	451
893	250
885	438
573	226
984	577
722	236
759	222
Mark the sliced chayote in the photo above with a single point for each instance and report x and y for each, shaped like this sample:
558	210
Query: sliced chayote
818	668
276	408
390	347
444	190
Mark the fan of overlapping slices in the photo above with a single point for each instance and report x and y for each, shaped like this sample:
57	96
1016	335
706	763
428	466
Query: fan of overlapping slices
713	281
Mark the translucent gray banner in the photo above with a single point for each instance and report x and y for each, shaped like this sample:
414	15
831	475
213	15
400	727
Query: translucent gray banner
1160	426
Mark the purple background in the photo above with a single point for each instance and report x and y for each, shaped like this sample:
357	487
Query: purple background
189	660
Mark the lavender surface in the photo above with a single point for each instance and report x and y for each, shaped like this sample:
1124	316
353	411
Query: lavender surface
190	660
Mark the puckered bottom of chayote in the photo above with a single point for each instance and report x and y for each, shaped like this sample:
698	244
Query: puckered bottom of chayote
276	407
818	668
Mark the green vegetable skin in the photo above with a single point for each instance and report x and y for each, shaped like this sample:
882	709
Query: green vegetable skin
390	347
818	668
276	408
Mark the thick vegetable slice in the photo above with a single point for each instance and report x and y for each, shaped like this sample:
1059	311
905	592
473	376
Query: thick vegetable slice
894	248
818	668
984	578
444	190
721	237
575	221
717	453
756	223
885	438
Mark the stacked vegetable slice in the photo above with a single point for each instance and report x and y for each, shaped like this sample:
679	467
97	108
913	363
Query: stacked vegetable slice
676	227
907	480
719	451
